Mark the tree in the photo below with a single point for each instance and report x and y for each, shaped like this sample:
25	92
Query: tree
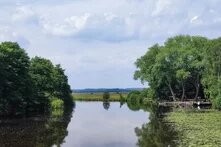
145	66
106	96
29	85
61	87
50	82
182	75
188	63
41	71
165	70
211	76
14	78
175	68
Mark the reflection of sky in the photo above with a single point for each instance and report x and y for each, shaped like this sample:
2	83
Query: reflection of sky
93	126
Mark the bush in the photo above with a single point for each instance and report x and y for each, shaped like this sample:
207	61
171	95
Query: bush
57	104
57	113
106	96
217	102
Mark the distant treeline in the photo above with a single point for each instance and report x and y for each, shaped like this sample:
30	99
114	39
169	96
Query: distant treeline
102	90
30	84
184	67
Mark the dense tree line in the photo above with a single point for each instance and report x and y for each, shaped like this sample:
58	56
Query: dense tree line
184	67
30	84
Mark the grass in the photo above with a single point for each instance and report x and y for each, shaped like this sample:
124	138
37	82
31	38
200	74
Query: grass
197	128
96	96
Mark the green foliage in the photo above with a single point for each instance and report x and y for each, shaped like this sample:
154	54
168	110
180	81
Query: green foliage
217	102
181	68
137	100
29	85
212	76
57	104
49	81
14	78
145	65
55	113
148	93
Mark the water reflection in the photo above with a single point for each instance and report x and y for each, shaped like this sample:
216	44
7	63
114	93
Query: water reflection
94	126
156	133
129	125
39	131
106	105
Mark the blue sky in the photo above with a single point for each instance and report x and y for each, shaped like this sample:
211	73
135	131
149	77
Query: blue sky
98	41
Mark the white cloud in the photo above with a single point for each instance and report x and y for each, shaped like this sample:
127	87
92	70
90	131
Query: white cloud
78	21
109	16
68	27
195	18
98	40
22	13
161	6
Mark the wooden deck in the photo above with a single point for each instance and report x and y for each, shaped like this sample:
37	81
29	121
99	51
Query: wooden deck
186	103
202	103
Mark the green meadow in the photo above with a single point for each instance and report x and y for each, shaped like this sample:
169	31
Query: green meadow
97	96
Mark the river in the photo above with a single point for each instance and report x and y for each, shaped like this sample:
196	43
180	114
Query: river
90	124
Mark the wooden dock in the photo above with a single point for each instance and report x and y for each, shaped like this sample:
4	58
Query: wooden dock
185	103
202	103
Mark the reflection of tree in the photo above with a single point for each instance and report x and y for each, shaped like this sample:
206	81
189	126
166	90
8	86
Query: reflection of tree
122	103
122	100
106	105
156	133
41	131
133	104
134	101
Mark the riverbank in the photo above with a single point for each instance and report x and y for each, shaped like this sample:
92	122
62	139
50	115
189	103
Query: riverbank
197	128
96	96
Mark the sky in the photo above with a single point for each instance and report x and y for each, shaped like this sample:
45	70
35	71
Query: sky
98	41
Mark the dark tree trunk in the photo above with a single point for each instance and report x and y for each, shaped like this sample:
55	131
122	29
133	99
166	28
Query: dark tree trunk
183	94
197	86
172	92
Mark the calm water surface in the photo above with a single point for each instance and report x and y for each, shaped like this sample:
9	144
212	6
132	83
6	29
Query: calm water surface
94	126
89	124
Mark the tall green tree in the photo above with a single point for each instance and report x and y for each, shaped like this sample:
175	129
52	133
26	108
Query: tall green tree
15	79
41	71
62	89
145	65
188	61
29	85
174	69
212	74
50	82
